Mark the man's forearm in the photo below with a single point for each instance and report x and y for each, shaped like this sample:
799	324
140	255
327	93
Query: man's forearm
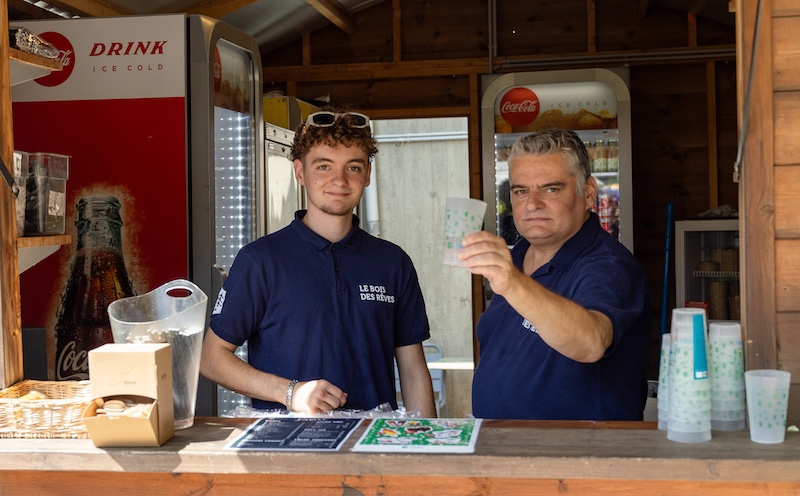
221	365
567	327
419	396
415	380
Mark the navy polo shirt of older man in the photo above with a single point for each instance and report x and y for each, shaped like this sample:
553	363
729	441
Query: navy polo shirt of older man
311	309
520	376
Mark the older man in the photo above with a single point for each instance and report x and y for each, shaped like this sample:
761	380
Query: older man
566	334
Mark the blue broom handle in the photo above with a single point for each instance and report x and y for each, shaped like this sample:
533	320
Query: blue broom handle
665	283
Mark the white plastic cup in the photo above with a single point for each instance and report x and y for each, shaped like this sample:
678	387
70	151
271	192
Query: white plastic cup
726	425
726	356
663	383
462	216
767	403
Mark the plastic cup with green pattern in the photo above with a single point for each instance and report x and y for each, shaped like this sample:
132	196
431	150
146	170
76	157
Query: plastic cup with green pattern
767	403
462	216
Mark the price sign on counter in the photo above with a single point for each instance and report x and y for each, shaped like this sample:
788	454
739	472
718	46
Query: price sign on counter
295	434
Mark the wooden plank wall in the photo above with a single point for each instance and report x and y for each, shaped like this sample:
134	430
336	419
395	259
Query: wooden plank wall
785	87
684	111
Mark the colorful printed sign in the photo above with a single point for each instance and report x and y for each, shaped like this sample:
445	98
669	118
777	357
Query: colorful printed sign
420	435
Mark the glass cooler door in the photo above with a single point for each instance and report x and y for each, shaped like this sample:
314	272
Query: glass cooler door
707	266
235	173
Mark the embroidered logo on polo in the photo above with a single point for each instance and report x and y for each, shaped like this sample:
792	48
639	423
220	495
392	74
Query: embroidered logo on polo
527	325
220	302
374	293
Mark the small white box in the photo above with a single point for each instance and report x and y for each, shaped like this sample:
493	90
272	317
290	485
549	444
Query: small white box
143	370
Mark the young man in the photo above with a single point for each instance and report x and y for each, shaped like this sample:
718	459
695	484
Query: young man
567	332
324	306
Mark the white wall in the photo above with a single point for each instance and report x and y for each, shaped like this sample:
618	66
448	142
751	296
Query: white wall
419	164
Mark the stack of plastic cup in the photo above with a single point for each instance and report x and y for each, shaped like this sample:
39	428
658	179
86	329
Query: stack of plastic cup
689	419
663	383
727	376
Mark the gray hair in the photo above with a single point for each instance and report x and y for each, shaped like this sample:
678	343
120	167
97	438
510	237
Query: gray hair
553	140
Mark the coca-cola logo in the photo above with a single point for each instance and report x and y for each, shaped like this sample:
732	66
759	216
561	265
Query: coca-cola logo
66	55
519	106
72	365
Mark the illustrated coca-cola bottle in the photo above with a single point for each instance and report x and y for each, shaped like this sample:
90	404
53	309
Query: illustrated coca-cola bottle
97	278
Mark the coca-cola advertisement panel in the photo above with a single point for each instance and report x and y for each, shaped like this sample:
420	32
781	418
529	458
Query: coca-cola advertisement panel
119	111
595	103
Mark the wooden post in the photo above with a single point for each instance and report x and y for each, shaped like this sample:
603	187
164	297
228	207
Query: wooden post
757	187
397	31
591	26
475	186
711	112
10	317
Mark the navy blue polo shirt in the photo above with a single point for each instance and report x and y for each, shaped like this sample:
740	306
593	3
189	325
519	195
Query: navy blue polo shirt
520	376
311	309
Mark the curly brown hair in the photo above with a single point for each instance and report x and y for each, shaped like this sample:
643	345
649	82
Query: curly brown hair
340	133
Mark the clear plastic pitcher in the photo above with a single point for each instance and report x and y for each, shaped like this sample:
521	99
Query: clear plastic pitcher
165	315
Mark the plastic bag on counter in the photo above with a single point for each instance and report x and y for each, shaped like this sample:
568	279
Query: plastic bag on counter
383	410
25	40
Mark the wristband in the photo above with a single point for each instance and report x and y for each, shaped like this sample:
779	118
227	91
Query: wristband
289	394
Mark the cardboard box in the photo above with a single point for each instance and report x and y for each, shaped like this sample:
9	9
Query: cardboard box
108	430
143	370
287	111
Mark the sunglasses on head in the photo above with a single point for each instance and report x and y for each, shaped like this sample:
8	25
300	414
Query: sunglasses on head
326	118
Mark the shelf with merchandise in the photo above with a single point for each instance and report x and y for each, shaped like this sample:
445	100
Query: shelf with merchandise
25	67
33	249
716	274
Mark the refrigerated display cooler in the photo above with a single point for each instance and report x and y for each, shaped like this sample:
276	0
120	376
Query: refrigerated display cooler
595	103
284	195
707	266
163	113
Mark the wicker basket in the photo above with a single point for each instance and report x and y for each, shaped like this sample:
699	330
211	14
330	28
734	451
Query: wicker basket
60	416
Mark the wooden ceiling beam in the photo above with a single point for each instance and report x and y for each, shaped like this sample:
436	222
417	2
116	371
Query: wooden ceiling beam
29	10
334	12
465	66
90	8
375	70
217	8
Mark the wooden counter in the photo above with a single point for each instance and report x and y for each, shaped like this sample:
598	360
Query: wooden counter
512	457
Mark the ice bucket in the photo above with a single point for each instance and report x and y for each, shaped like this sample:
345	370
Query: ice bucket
168	315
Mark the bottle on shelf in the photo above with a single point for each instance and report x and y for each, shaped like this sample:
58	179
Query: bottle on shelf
613	155
590	152
97	277
600	160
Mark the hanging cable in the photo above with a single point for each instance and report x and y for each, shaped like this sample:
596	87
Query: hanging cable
737	165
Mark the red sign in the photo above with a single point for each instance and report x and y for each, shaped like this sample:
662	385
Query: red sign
519	106
66	55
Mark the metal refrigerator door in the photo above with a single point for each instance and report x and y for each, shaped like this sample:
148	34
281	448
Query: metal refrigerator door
284	195
227	158
234	176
